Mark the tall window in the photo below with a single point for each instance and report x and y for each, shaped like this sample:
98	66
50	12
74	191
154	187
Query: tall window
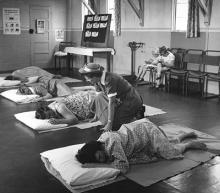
111	10
84	11
180	15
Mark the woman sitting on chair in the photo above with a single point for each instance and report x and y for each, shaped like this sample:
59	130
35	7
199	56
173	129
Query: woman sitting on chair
136	142
69	110
149	64
164	62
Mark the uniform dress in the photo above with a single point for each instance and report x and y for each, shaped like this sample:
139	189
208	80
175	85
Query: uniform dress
129	101
79	104
139	142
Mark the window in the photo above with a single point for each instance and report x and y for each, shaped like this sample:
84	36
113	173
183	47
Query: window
85	11
180	15
111	10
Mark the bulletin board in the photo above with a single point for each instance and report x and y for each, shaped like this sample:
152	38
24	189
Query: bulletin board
96	30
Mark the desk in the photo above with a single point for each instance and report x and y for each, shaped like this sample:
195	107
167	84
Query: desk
91	52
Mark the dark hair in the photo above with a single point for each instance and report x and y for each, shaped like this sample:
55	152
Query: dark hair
44	112
162	49
87	153
25	90
11	77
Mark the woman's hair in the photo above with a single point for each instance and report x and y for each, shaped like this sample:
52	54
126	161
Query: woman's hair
44	112
87	153
24	90
163	49
11	77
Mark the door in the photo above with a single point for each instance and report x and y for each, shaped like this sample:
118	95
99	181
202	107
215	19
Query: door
41	52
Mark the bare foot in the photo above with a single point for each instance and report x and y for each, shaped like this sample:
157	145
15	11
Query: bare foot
197	145
188	135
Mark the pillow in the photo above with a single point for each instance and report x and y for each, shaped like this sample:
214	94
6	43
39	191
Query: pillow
13	96
62	164
6	83
28	118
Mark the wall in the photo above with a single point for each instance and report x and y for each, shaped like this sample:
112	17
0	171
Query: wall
209	39
15	51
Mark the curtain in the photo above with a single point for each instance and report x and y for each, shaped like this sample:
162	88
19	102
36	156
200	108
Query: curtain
193	20
206	8
193	16
117	15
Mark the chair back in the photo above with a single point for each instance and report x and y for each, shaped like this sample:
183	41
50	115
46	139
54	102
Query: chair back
194	59
63	45
212	58
179	54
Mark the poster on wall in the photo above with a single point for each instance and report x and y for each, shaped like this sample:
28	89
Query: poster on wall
59	35
40	26
11	21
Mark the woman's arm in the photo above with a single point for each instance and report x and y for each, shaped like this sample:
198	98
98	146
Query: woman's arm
68	116
111	113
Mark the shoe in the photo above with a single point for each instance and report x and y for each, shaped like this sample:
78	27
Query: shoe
158	78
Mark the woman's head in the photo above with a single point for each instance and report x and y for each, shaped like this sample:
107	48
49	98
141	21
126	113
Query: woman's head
24	90
155	52
92	152
163	50
44	112
91	72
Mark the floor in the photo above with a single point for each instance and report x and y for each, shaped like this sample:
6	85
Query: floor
22	170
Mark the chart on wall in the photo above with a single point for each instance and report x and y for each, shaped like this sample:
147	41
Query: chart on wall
11	21
96	28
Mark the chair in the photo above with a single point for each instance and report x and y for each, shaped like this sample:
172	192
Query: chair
177	72
151	77
194	59
61	55
212	60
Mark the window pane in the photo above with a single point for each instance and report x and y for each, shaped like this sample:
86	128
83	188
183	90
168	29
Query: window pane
181	14
181	24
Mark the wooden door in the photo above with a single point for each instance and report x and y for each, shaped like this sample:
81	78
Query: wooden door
41	52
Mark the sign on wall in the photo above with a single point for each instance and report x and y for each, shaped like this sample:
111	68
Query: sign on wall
59	35
11	21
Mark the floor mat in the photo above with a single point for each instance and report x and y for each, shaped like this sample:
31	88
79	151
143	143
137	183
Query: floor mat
148	174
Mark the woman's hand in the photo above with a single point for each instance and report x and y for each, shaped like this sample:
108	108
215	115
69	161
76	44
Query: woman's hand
54	121
108	127
94	119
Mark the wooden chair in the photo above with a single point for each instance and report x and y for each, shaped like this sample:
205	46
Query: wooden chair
194	59
212	60
60	55
177	73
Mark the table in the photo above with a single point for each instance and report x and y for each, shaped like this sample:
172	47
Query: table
92	52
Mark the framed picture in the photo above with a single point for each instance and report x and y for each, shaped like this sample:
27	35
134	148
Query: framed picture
40	26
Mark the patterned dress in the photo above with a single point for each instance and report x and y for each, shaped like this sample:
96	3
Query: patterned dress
79	104
138	142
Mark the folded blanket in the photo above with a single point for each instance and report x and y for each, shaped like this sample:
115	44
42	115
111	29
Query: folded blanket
63	165
39	125
17	98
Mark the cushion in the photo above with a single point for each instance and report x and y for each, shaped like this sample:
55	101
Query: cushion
13	96
7	83
28	118
63	165
39	125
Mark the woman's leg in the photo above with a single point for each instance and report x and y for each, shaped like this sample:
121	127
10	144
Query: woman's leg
158	75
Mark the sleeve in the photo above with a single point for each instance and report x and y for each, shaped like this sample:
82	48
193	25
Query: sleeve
169	60
115	150
40	91
120	160
111	87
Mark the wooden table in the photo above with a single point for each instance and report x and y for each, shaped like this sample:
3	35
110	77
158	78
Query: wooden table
91	53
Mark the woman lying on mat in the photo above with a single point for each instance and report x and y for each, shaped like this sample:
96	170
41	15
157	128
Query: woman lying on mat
70	109
124	102
47	89
137	142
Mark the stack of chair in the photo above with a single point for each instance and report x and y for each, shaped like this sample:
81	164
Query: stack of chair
212	60
177	72
194	59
